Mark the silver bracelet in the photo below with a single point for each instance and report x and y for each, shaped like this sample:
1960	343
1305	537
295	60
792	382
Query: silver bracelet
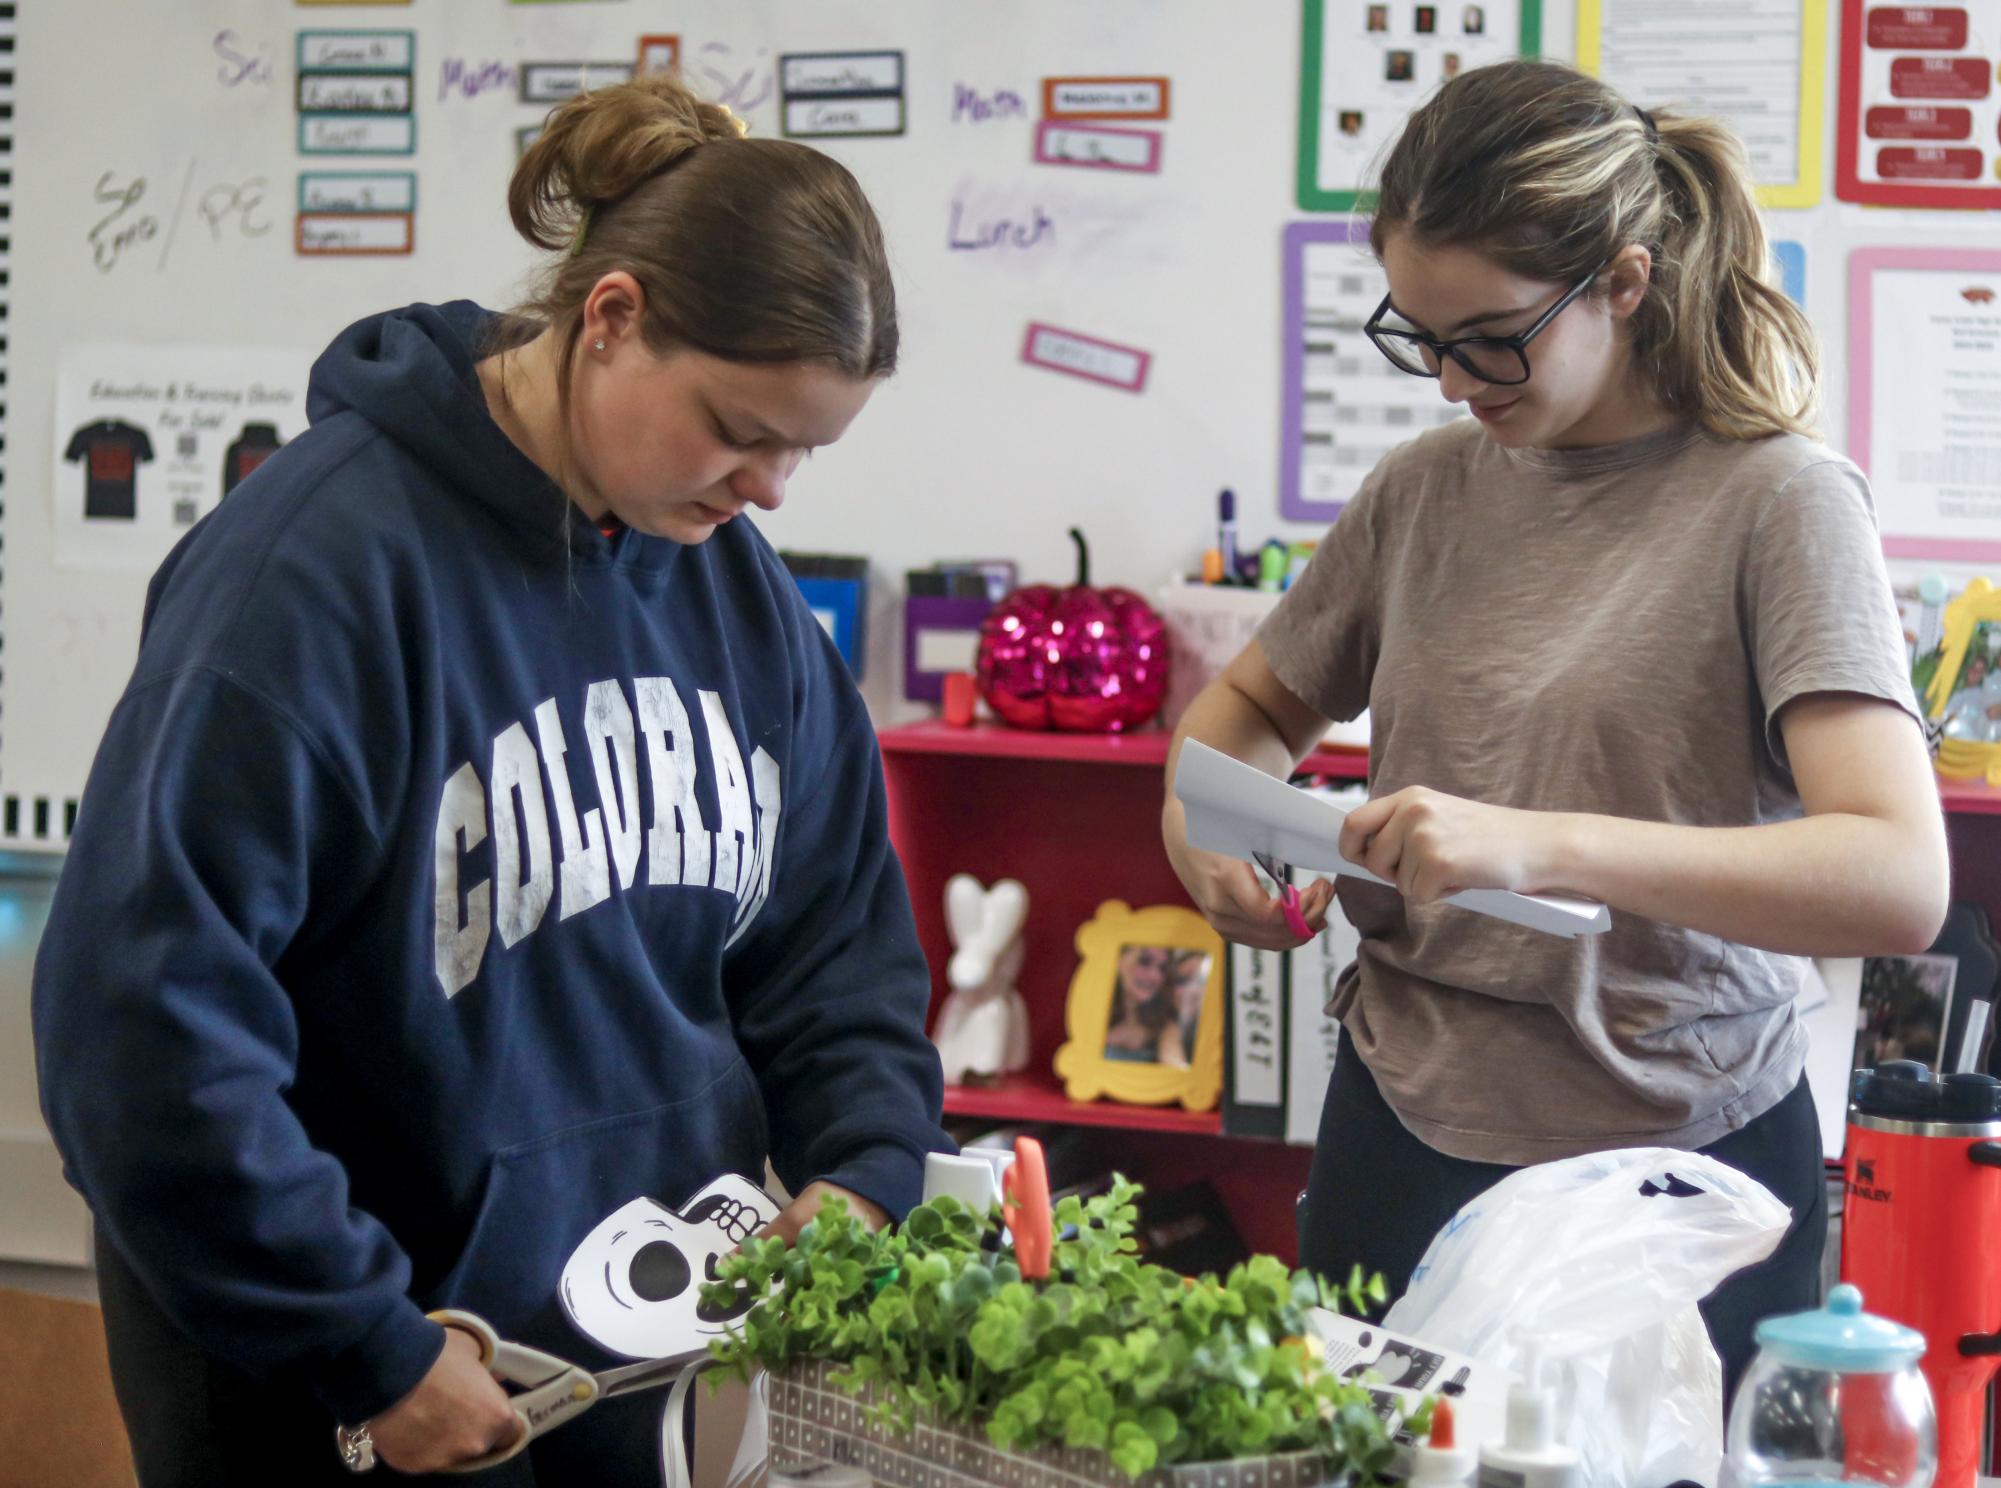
357	1447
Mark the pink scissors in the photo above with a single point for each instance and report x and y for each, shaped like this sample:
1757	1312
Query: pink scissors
1288	896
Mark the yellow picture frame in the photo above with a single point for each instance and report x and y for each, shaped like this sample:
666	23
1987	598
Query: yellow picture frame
1114	934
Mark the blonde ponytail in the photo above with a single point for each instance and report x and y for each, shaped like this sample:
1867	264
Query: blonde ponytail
1551	172
1723	341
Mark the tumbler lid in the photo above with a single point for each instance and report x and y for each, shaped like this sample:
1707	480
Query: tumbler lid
1841	1338
1905	1090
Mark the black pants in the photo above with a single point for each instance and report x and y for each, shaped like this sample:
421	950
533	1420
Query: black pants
1378	1195
196	1422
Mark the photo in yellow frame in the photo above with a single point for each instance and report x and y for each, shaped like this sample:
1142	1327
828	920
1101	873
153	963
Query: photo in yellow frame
1145	1011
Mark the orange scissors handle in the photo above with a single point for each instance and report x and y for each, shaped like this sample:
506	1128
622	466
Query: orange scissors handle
1025	1207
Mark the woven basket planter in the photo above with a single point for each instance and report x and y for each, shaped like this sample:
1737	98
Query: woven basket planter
812	1419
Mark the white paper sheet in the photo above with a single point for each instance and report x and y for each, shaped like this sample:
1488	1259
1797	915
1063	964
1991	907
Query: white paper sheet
1238	810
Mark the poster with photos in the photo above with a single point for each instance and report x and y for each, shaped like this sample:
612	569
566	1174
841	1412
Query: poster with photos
1367	63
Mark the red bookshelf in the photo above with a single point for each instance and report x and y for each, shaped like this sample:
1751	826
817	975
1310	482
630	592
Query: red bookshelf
1034	1096
1148	749
1969	798
1076	818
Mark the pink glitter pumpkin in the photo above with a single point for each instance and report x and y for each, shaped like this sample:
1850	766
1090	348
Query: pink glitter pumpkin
1080	660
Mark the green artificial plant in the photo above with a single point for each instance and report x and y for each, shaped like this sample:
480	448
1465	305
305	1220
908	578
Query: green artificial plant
1151	1367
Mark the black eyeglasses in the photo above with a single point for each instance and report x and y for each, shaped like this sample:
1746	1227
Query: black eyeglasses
1502	360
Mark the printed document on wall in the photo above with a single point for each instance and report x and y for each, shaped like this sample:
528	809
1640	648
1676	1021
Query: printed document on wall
150	439
1925	398
1759	65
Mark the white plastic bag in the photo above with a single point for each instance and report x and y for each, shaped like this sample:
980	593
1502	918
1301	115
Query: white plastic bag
1597	1264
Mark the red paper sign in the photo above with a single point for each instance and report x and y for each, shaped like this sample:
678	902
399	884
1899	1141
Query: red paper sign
1940	77
1927	163
1911	28
1919	123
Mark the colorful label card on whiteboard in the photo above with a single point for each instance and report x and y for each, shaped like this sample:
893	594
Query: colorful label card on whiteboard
553	82
658	54
1058	142
1924	381
1920	119
1345	406
357	191
1123	367
354	92
1105	97
844	94
355	234
357	51
357	134
1364	67
1759	65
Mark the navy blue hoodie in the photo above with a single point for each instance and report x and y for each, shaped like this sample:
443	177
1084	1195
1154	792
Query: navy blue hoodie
451	874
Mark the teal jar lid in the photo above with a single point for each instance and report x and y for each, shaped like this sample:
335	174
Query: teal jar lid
1841	1338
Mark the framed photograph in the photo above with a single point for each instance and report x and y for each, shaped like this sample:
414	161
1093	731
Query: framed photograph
1906	1009
1145	1013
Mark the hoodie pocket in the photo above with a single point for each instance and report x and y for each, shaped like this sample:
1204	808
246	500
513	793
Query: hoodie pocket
544	1196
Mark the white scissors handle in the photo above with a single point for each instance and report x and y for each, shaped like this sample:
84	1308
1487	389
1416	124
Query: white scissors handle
556	1389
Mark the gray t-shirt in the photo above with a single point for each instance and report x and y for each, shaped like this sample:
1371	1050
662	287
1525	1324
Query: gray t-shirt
1609	630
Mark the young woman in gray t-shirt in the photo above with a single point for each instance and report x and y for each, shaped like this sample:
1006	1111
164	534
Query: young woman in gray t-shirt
1624	634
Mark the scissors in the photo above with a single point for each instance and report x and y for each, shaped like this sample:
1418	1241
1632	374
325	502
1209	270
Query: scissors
1288	896
552	1390
1025	1209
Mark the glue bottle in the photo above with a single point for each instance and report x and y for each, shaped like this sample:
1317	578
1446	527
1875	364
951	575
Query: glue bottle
1530	1456
1441	1462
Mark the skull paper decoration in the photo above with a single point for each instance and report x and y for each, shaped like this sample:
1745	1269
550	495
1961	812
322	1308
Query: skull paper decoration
634	1284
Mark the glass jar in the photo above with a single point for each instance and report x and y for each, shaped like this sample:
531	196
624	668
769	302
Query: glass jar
1834	1397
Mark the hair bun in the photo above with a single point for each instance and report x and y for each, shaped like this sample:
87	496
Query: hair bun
597	146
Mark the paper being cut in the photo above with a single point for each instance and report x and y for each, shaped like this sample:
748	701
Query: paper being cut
1236	809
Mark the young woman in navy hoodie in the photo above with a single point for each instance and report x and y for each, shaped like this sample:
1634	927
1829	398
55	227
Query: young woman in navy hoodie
489	835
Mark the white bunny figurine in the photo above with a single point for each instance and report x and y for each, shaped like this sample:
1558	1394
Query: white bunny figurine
982	1029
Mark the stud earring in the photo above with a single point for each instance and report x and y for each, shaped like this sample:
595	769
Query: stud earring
599	343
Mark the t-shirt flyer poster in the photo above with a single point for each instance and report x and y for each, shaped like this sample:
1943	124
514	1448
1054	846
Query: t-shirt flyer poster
1366	65
1757	64
150	439
1920	111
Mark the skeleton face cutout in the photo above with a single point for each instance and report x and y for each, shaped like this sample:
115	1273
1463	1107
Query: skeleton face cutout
634	1284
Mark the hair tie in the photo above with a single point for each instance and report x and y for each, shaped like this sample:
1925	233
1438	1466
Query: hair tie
577	235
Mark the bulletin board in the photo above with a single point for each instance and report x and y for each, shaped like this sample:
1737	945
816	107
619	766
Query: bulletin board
1120	233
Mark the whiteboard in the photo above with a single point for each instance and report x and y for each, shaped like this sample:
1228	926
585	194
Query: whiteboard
970	452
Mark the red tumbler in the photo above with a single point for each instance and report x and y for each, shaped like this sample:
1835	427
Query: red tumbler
1921	1233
